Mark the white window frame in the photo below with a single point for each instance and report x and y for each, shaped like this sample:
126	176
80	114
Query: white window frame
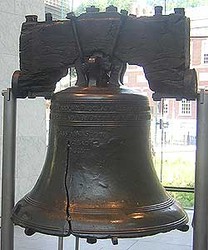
185	108
166	107
204	53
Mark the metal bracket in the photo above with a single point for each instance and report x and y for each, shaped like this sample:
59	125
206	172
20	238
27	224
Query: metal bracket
8	169
200	225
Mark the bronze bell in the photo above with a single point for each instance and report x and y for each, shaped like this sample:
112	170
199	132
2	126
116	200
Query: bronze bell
98	180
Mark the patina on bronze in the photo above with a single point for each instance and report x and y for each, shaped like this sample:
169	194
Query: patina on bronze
98	180
159	43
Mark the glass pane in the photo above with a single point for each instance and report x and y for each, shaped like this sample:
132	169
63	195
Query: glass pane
173	137
173	125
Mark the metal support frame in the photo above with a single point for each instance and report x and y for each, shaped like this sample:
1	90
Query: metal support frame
200	225
77	243
8	169
8	173
60	243
200	222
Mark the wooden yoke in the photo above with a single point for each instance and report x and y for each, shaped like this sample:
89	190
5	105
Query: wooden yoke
160	44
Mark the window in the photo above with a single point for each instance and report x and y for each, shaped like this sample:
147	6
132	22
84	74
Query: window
205	52
185	107
165	107
205	58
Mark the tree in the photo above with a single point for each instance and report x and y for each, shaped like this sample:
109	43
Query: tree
121	4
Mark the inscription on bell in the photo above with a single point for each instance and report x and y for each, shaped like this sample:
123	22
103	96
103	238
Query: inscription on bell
98	179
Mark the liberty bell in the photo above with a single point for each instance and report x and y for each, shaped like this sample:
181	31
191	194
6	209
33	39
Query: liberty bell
98	180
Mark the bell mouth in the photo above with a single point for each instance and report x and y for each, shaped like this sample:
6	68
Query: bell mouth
98	180
129	222
104	223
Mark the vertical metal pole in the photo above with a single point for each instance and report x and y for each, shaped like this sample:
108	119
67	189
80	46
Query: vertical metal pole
8	170
162	139
201	175
77	243
60	243
162	149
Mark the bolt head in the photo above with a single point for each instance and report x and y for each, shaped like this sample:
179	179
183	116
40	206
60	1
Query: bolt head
111	8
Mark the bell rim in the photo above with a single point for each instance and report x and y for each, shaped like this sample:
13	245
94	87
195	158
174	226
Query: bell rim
133	233
137	233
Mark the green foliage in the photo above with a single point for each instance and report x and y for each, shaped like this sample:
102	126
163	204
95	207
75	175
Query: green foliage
178	171
103	4
185	199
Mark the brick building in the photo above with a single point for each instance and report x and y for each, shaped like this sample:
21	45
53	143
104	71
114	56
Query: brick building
177	116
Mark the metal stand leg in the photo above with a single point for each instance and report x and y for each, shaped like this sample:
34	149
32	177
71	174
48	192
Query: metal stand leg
60	243
77	243
8	170
201	177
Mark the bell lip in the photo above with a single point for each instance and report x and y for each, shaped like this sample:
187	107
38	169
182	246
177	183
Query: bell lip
55	231
139	232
